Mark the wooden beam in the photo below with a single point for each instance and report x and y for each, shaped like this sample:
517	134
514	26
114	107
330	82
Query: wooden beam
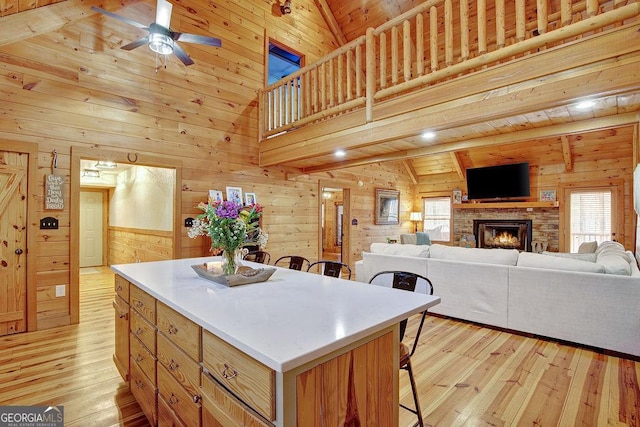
411	171
457	165
331	21
24	25
566	153
558	130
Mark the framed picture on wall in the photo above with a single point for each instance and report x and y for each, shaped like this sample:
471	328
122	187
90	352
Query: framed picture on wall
387	206
250	199
234	194
548	195
215	196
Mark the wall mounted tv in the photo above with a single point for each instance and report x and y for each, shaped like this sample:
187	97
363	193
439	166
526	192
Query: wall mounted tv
504	182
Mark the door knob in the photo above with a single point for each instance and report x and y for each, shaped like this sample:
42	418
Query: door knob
18	251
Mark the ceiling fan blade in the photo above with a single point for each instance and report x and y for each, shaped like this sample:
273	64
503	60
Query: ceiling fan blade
182	55
163	13
192	38
135	44
121	18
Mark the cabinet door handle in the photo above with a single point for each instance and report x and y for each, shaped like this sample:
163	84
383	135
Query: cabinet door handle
139	304
172	400
173	365
139	384
139	358
139	331
228	372
119	288
123	315
197	399
172	330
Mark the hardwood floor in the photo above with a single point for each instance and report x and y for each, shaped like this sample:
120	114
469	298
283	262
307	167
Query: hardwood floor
467	375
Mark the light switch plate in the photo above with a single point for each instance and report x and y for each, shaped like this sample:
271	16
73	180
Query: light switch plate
60	290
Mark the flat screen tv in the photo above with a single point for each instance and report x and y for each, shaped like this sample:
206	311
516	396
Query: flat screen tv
504	182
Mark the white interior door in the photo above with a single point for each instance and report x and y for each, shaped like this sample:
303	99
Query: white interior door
91	228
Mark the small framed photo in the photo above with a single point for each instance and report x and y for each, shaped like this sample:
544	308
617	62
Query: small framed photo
548	195
234	194
457	197
250	199
215	196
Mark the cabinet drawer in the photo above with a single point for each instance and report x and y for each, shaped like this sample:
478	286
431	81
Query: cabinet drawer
177	398
181	331
184	369
221	408
122	287
143	330
249	379
144	303
144	392
166	417
145	360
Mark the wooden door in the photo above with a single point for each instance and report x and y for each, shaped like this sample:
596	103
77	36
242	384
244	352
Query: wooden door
14	168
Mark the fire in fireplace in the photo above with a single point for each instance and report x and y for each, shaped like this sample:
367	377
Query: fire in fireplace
503	233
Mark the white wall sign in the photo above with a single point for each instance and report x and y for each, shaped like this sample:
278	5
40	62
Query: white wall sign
53	192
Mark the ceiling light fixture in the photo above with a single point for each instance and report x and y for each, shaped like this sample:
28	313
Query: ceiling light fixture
105	164
428	134
584	105
90	173
339	153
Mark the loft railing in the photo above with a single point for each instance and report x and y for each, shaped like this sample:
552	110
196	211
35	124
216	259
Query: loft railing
433	42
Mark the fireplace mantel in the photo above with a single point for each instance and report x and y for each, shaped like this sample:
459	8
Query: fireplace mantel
506	205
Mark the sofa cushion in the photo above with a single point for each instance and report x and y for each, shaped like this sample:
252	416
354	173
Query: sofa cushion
486	256
423	239
421	251
530	259
613	257
587	247
590	257
408	239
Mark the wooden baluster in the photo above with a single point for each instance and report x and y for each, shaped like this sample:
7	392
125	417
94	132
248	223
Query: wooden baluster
314	90
592	8
394	55
406	49
500	32
464	30
419	44
542	16
286	107
295	113
565	12
359	70
371	74
521	23
323	86
433	37
350	72
482	27
340	81
448	32
383	60
332	83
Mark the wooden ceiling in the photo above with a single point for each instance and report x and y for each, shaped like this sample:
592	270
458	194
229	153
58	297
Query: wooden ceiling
349	19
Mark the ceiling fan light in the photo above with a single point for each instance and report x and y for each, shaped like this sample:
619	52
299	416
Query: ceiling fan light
160	43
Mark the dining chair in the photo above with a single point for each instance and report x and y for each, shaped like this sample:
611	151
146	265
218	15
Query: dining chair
261	257
408	282
332	268
293	262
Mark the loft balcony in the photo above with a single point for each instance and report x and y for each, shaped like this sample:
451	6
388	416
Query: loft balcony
477	73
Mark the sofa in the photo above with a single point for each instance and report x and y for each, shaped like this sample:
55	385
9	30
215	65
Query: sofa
590	299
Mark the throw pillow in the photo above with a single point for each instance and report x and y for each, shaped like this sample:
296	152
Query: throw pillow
590	257
587	247
423	239
530	259
408	239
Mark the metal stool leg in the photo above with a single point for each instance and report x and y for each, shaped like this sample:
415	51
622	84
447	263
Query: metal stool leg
414	389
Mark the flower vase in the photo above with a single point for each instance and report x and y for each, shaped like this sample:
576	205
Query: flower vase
231	261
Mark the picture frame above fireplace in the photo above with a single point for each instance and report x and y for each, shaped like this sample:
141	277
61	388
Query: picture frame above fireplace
547	195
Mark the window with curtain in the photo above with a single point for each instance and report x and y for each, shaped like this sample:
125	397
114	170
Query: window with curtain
591	217
437	218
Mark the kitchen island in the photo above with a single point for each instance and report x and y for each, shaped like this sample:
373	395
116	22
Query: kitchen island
298	348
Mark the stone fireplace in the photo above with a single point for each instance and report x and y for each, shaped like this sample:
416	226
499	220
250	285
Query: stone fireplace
503	233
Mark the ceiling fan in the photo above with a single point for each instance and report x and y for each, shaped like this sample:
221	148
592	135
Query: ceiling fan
161	39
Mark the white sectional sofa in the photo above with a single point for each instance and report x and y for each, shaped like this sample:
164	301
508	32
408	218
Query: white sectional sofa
587	299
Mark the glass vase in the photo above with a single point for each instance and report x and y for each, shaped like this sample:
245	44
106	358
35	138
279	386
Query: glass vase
231	261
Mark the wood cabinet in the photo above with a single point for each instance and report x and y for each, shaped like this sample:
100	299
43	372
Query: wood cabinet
121	355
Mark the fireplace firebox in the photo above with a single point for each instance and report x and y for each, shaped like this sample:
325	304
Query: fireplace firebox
503	233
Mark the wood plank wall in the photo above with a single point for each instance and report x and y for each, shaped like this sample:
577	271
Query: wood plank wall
75	88
597	158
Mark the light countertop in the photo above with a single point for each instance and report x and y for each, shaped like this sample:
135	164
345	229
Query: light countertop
293	318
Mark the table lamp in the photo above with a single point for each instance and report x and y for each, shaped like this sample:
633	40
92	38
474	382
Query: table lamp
415	217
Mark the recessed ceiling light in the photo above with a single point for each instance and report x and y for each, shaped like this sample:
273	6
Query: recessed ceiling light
428	134
585	105
339	153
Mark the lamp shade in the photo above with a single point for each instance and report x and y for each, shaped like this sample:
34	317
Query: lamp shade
415	216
